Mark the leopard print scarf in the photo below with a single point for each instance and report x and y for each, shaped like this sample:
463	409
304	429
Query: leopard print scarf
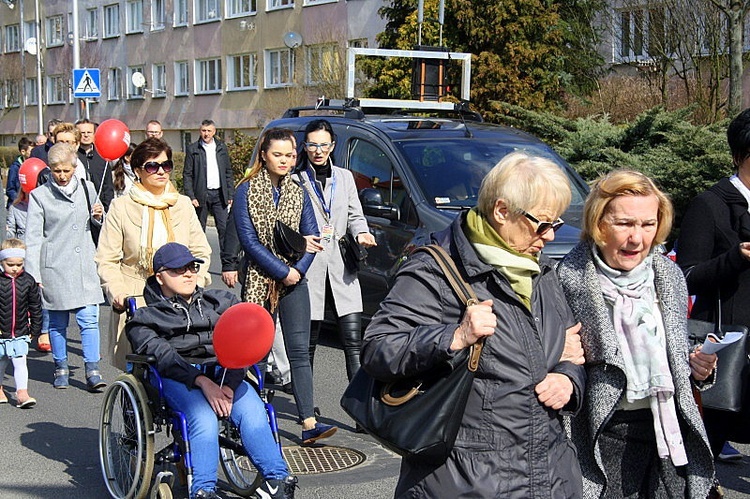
259	286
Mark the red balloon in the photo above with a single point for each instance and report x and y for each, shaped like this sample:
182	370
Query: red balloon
112	139
243	335
28	174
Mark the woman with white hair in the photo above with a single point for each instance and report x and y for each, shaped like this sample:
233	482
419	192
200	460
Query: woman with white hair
60	256
511	442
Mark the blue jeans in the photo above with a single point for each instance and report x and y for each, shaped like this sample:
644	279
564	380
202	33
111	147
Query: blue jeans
88	322
294	315
248	414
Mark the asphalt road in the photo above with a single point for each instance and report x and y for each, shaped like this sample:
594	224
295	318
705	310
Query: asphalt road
51	451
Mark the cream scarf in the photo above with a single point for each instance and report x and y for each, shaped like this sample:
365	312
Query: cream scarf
155	231
518	268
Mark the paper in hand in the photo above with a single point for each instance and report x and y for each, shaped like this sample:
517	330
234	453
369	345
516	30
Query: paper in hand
713	344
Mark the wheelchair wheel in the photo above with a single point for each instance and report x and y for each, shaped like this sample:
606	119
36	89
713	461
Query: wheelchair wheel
163	491
241	475
126	440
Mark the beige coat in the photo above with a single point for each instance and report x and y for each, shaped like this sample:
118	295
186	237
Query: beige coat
117	257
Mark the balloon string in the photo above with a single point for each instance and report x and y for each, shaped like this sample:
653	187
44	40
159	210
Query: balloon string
222	378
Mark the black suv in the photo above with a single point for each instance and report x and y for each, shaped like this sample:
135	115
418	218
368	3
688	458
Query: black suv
415	174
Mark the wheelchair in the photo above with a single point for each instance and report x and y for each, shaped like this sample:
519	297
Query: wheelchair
134	411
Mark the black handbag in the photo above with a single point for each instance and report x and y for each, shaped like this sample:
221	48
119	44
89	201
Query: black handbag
288	242
352	252
729	391
419	418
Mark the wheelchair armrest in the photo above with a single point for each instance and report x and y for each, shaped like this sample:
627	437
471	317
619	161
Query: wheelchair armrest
141	359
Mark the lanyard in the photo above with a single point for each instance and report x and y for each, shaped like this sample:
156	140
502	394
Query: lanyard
319	197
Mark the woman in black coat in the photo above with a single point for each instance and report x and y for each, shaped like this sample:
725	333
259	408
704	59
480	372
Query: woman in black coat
714	253
511	442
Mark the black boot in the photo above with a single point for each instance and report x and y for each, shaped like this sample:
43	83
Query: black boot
350	332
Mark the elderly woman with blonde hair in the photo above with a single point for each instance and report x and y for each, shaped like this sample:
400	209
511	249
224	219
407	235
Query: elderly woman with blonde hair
639	434
511	442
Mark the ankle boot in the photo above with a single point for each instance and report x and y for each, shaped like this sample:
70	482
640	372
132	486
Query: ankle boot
94	379
61	374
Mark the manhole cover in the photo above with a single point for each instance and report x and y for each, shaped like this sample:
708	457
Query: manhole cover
313	460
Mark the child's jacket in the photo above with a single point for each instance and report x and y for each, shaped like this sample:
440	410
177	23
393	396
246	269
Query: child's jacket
20	306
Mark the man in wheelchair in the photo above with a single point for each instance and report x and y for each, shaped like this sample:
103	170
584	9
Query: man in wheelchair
177	328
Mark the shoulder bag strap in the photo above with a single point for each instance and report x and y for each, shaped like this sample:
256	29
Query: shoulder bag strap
464	291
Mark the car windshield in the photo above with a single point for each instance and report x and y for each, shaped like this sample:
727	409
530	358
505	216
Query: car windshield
451	171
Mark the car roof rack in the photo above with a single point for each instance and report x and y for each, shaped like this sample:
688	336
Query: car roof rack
353	109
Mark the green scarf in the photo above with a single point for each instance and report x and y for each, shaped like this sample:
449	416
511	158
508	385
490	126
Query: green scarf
517	267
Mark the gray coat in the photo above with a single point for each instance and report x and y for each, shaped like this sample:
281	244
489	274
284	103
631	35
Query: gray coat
509	445
346	215
59	248
605	368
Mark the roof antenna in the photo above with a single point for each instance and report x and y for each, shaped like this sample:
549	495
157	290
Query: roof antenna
467	132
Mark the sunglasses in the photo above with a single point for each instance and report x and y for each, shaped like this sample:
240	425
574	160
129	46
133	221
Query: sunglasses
312	146
193	267
543	227
152	167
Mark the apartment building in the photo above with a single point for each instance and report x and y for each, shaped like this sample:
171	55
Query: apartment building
238	62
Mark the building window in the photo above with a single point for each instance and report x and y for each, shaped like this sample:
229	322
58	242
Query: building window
180	12
279	68
111	20
280	4
359	43
12	39
56	88
31	92
236	8
157	14
643	34
207	10
159	78
55	31
29	30
134	17
208	76
242	71
91	24
114	84
12	93
181	78
318	2
323	64
133	91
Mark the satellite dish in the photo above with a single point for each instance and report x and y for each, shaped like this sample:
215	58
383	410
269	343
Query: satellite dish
138	79
30	46
292	39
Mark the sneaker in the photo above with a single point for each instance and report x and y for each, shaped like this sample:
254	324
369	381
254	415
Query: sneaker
277	489
206	494
320	431
729	454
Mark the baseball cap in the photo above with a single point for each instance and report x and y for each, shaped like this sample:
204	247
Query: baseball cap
173	256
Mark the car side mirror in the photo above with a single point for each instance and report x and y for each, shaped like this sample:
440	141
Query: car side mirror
374	206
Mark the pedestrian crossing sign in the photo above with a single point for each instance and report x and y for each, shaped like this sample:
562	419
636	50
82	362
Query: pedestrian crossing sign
86	83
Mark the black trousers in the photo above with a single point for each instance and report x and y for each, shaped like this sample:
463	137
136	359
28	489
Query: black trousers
218	209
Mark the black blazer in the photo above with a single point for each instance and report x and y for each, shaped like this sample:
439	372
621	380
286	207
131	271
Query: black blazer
194	174
100	174
708	252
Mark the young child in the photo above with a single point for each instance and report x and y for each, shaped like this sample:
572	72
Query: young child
20	317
